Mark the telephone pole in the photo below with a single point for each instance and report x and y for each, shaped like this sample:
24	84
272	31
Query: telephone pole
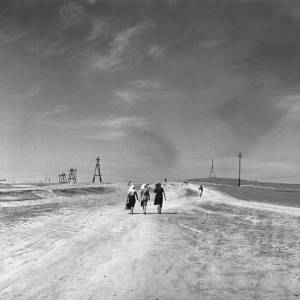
212	173
240	162
97	170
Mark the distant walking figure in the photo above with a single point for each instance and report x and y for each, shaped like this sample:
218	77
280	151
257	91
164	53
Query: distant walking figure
159	194
132	196
145	196
201	190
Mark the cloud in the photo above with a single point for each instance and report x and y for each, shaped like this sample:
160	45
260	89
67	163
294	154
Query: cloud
96	46
291	104
92	128
10	38
268	58
23	95
110	123
103	135
121	122
121	51
253	113
144	90
154	146
156	51
71	13
54	117
73	50
139	90
58	109
212	43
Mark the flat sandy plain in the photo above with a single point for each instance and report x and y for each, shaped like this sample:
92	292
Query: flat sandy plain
78	242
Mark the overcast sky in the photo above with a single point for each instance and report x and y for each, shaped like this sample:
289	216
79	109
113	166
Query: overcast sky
155	88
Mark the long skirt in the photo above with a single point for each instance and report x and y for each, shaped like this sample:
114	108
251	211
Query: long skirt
131	202
158	200
144	201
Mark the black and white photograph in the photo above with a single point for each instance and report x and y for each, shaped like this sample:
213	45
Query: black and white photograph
150	149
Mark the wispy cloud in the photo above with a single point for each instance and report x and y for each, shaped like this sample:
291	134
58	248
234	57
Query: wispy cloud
91	2
120	53
76	49
212	43
57	110
156	51
121	122
91	43
102	135
110	123
53	117
290	103
9	38
93	128
143	90
156	146
71	13
252	113
23	95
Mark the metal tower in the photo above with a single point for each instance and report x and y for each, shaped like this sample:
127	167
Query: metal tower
72	175
97	170
212	173
62	178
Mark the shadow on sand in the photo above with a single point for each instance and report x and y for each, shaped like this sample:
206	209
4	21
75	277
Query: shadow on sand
152	213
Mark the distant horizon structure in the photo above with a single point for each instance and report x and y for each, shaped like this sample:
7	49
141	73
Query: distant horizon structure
212	173
97	171
72	175
62	178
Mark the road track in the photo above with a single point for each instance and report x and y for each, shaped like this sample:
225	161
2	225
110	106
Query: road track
214	247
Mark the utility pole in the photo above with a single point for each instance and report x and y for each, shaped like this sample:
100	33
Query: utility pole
97	170
240	162
212	173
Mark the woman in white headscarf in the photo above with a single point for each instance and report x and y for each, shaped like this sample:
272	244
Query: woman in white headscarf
132	196
145	196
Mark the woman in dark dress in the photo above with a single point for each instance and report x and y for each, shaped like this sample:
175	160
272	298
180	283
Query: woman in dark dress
132	196
159	195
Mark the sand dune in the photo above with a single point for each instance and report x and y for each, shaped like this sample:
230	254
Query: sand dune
33	193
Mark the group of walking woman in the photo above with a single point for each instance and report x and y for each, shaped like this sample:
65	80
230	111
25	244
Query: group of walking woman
132	197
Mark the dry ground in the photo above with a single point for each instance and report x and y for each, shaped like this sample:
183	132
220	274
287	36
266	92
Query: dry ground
72	246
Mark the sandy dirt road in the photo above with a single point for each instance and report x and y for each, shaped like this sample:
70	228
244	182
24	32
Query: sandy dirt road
89	247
